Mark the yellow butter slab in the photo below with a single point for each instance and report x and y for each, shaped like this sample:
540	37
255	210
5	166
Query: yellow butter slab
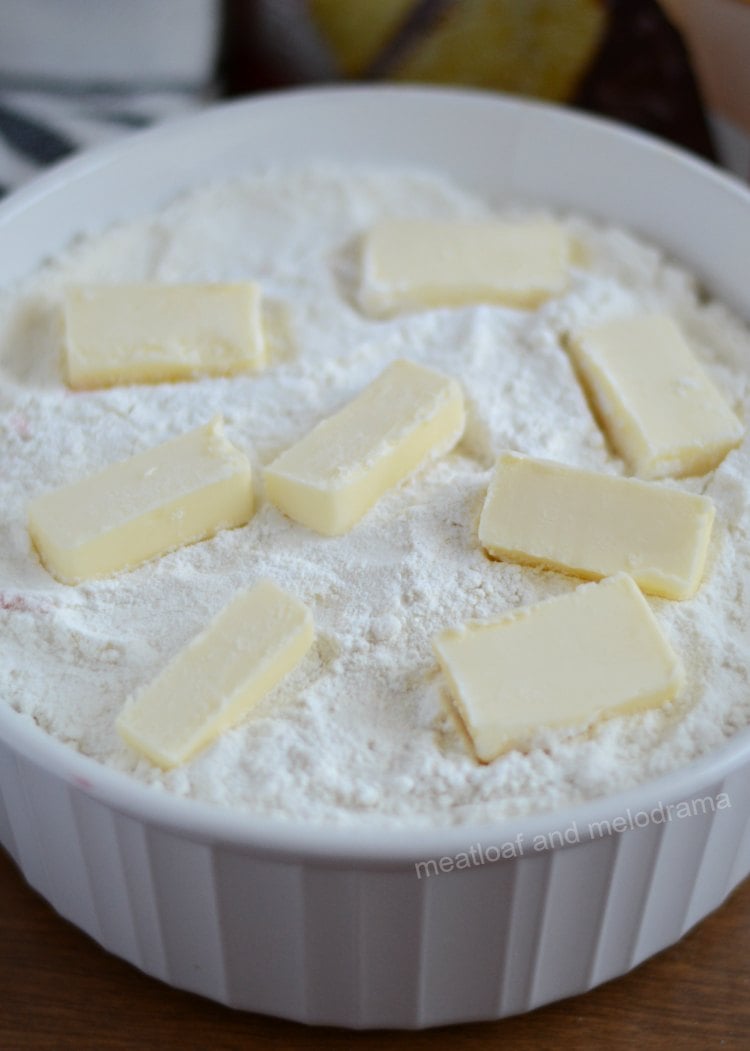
661	411
412	264
211	684
174	494
569	661
146	333
330	478
594	525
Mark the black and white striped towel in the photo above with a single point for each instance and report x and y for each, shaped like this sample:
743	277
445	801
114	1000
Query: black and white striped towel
76	73
38	127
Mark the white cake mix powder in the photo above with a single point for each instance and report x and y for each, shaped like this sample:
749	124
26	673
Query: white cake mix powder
362	728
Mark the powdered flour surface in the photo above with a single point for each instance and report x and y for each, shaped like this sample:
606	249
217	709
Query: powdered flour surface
362	730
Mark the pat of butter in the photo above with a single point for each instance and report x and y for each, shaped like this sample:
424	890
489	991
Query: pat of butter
661	411
330	478
211	684
148	333
594	525
569	662
174	494
411	264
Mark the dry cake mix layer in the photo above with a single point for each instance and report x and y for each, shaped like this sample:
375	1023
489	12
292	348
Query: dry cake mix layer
363	727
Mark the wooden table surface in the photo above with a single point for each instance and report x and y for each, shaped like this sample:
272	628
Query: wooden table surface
60	992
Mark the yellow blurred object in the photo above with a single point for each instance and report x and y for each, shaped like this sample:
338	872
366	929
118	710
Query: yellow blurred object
530	47
358	32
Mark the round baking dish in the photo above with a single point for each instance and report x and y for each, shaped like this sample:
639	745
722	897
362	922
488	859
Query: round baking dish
371	926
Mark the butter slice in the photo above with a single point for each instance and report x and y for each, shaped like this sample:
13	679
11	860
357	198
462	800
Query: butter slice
211	684
661	411
141	333
174	494
567	662
412	264
594	525
330	478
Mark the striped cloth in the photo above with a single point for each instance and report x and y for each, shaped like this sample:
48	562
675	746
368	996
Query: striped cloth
76	73
39	126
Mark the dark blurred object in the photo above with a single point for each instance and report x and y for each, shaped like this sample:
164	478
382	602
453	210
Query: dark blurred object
533	47
642	75
619	58
717	36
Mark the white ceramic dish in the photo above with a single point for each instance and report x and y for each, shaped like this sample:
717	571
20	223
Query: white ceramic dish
338	925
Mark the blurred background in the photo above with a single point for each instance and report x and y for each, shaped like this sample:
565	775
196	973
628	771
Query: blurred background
77	72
